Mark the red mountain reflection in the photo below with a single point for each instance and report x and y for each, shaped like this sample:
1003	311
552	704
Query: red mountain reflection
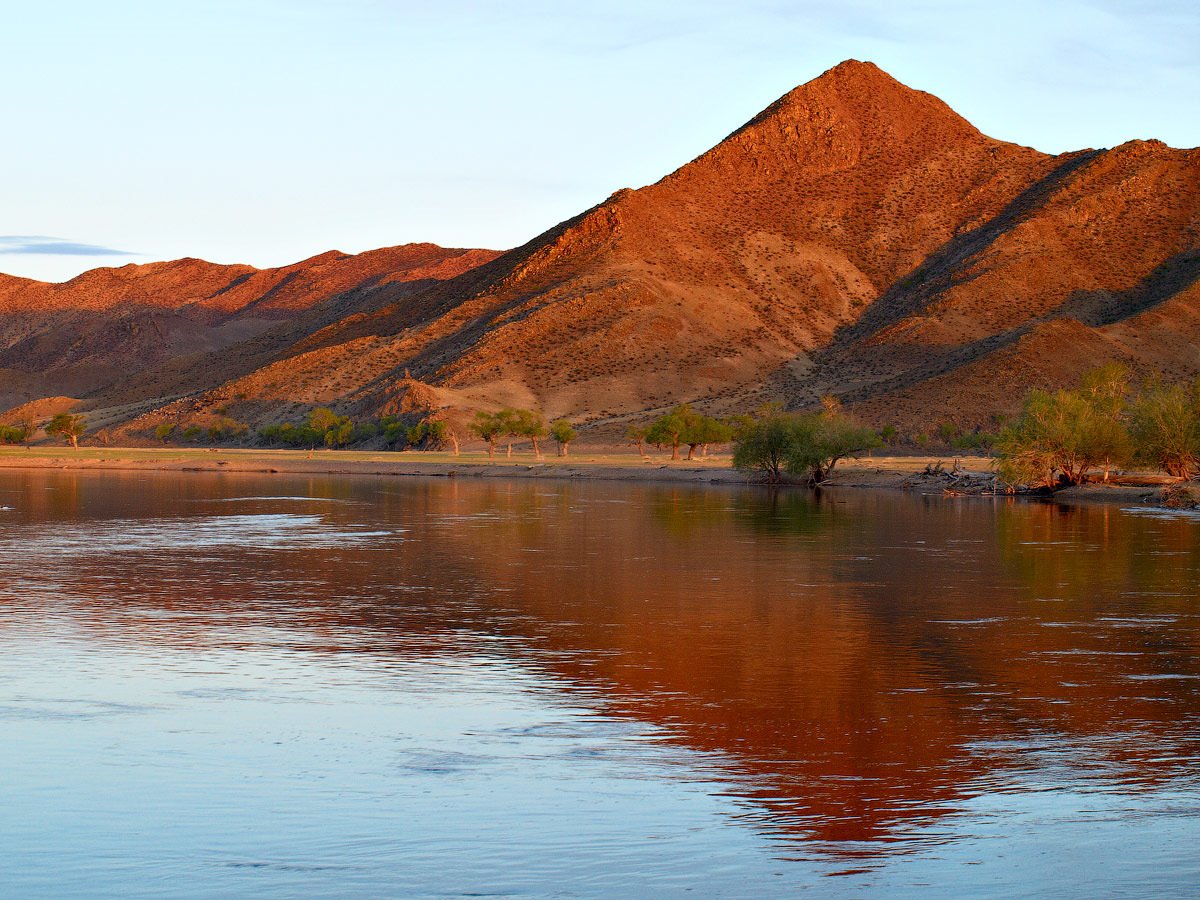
855	664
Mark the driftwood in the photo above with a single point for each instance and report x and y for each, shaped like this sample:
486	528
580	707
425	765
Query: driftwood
957	481
1181	495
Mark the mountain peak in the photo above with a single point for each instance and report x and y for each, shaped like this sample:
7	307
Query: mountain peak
864	98
856	68
849	113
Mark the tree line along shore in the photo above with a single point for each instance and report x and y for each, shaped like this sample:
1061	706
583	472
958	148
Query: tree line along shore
1061	439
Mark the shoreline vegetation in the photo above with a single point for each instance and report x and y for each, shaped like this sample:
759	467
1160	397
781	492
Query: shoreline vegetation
1062	441
1051	450
927	475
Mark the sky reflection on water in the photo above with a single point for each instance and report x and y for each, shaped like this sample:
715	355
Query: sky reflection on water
246	684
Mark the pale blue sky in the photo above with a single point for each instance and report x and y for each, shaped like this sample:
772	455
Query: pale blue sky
265	131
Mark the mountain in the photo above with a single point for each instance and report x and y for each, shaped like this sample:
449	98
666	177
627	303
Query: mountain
857	237
100	331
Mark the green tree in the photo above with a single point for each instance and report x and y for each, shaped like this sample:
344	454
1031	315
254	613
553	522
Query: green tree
300	436
1166	428
740	422
489	427
529	424
684	425
1059	438
668	430
824	440
415	434
29	426
339	434
1106	390
67	426
765	445
322	419
441	433
224	429
808	445
701	431
325	427
270	434
636	434
974	440
509	422
393	430
947	432
563	434
434	434
164	431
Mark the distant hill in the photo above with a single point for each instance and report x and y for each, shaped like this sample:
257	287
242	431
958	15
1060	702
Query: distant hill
857	237
101	333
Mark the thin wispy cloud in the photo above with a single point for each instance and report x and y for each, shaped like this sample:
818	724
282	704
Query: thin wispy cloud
42	245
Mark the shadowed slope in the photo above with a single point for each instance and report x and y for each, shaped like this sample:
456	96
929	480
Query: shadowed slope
1069	287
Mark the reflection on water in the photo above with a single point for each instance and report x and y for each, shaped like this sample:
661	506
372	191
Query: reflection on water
344	686
264	531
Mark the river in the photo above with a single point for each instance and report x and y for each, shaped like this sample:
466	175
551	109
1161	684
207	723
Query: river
216	685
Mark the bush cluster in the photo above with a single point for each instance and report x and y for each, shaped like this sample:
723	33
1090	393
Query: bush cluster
683	426
804	445
13	434
509	425
325	428
1063	438
219	431
946	434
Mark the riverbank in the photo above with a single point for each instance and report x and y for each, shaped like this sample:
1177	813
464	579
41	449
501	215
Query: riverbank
909	473
603	466
877	472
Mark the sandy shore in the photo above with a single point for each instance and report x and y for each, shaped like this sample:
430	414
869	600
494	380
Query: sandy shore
609	467
880	472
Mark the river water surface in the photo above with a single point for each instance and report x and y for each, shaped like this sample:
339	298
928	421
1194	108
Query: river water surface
216	685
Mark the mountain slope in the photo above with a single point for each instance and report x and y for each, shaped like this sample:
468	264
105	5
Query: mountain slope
740	264
109	325
857	237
